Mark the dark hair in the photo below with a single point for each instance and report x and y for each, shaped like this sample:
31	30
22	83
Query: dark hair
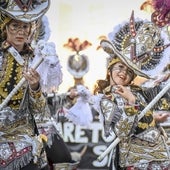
101	85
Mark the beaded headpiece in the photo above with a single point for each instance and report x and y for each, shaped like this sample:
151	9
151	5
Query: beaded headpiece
25	11
140	45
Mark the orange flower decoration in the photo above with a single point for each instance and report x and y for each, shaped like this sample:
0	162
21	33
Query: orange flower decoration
75	45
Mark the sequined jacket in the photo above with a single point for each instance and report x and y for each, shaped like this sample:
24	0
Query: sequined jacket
141	140
19	143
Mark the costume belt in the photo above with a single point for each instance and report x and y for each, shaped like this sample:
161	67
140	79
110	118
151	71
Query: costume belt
11	120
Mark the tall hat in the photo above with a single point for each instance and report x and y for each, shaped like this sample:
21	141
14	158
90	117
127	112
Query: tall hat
24	10
140	45
29	11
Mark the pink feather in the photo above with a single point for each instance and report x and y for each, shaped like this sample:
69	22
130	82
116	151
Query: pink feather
161	15
163	6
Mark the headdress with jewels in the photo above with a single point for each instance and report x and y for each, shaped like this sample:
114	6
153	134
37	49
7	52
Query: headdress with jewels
141	45
24	10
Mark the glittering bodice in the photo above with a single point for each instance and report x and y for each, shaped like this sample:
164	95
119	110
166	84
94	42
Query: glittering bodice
10	75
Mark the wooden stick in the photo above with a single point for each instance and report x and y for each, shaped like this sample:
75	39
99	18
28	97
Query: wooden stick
147	108
18	86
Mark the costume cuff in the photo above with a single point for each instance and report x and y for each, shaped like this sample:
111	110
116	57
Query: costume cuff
35	93
132	109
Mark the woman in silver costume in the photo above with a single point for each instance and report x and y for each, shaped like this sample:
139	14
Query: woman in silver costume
134	52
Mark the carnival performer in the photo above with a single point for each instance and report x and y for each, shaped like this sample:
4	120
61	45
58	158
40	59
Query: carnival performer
133	52
131	49
21	147
142	140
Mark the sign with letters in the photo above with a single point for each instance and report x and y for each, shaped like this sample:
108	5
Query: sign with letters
91	140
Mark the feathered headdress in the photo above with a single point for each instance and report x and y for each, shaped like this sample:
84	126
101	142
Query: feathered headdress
140	45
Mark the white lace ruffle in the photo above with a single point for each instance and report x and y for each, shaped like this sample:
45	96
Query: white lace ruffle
50	69
80	113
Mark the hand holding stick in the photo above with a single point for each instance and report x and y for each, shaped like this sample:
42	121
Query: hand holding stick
17	87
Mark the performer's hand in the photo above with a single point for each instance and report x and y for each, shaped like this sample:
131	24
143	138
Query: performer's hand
161	116
125	93
33	78
162	78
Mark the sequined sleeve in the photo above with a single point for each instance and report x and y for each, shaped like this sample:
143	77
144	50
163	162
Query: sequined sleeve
163	103
37	101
